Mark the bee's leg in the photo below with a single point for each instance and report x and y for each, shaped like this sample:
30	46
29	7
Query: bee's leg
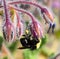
49	28
23	42
33	47
33	44
23	47
35	39
53	27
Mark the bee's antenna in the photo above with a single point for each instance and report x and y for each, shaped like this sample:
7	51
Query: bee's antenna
23	47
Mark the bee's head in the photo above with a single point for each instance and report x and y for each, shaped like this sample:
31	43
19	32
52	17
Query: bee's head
27	31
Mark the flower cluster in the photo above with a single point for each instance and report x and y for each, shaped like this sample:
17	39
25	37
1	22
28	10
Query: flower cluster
11	32
44	11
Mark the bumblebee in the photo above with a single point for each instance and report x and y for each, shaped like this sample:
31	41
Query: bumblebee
28	41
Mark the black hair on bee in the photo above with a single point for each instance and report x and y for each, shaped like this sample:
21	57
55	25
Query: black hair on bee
29	42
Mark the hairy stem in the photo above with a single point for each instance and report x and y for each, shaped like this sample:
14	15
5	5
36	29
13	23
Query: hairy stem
6	10
23	11
28	13
18	18
27	2
34	4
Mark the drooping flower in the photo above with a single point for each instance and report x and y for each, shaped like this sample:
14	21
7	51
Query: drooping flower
36	29
35	24
48	17
17	22
8	32
8	28
19	27
44	12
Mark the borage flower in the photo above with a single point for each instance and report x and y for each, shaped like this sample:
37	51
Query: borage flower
17	22
47	14
8	28
8	32
35	28
19	27
36	31
35	23
43	11
48	17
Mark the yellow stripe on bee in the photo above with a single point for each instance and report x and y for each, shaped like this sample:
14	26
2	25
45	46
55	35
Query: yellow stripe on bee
22	36
27	31
38	44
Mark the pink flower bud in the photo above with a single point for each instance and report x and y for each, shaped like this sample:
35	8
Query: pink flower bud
19	27
8	32
36	29
8	28
47	15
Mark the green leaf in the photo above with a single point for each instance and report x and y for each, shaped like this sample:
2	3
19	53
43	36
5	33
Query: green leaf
45	51
1	41
5	57
13	46
30	54
57	34
52	56
44	40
